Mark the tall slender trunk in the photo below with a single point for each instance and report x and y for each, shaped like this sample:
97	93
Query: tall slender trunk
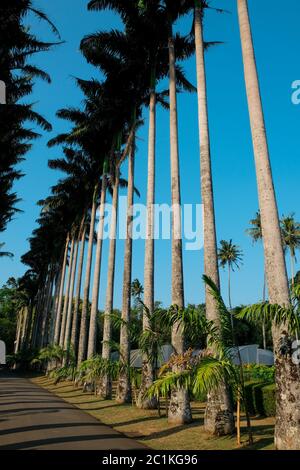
292	256
18	332
67	293
71	297
84	314
229	288
29	325
61	294
39	301
179	408
48	309
106	385
124	386
219	419
43	329
147	367
24	327
287	426
55	306
74	334
263	320
97	272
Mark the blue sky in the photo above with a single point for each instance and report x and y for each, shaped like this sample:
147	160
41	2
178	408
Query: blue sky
276	36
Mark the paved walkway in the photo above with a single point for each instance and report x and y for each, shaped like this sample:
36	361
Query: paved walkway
33	418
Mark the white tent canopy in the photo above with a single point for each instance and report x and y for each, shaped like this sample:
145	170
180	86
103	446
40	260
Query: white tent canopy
250	354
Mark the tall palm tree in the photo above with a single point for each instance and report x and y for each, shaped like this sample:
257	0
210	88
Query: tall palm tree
67	294
84	314
290	230
74	333
230	256
179	409
218	407
106	384
61	291
287	425
123	394
98	256
71	296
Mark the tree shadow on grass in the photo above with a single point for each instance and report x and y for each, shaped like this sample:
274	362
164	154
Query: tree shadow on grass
173	430
136	421
263	436
101	407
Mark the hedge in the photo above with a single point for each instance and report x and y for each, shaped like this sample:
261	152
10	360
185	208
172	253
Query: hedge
269	400
260	398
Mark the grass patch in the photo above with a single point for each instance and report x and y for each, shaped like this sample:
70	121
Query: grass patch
146	426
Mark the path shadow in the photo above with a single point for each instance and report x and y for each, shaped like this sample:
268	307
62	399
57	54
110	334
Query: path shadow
13	403
59	440
34	410
40	427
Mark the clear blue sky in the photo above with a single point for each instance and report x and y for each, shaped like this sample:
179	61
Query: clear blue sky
276	36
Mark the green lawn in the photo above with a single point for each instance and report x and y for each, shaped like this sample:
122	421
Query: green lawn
148	428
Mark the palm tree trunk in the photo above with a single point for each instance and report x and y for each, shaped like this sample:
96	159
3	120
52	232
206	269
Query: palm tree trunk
57	282
24	328
229	288
35	321
29	326
61	293
179	408
18	333
219	419
263	320
74	334
84	315
106	384
287	427
46	309
71	296
97	271
147	368
124	387
67	293
292	268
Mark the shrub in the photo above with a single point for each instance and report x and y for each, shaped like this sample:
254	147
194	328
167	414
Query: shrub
259	372
269	400
260	397
249	396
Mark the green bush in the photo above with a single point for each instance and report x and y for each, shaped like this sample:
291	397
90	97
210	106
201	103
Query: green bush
259	372
260	397
249	396
269	400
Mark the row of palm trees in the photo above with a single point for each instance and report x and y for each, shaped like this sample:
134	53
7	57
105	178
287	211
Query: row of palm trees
102	136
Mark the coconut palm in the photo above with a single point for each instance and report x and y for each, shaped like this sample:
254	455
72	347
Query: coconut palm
287	425
229	256
290	230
